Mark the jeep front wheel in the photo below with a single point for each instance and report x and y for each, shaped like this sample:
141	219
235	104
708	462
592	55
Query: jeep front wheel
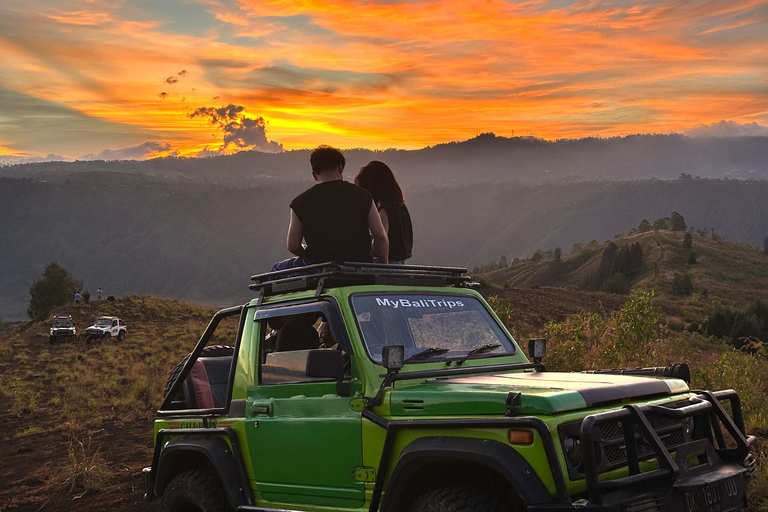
464	498
196	490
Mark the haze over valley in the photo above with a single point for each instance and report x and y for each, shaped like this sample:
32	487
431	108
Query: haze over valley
196	229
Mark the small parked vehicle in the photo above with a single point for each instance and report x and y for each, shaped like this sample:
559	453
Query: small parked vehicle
62	327
106	327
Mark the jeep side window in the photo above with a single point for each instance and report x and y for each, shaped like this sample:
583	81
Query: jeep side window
290	337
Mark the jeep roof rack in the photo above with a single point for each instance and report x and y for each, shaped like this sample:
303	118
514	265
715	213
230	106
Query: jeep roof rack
330	275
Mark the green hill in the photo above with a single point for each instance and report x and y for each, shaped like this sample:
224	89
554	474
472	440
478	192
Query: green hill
724	272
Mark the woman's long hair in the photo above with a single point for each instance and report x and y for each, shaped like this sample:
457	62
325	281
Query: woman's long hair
377	178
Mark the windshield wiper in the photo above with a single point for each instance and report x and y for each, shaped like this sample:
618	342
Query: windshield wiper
482	349
428	352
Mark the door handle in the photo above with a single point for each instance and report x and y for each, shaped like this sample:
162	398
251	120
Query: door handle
261	409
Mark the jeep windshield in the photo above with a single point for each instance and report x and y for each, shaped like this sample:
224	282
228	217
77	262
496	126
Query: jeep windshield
431	327
62	322
103	322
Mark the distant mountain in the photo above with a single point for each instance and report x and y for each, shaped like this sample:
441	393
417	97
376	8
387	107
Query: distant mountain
485	158
130	233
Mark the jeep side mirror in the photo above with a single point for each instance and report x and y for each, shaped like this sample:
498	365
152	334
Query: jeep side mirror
537	348
393	357
325	364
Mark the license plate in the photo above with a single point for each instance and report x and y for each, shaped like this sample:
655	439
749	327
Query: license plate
719	496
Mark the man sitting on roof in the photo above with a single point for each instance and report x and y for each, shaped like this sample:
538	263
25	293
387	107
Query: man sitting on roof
335	218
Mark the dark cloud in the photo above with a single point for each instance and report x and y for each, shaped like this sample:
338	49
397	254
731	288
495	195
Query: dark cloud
137	152
171	80
239	131
728	129
183	72
163	95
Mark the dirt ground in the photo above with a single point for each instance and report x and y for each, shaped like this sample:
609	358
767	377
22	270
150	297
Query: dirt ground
30	466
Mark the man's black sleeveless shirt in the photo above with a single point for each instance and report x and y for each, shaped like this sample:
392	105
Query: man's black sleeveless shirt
400	230
334	216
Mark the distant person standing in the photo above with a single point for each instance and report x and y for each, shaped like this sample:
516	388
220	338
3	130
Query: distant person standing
98	293
77	299
378	179
87	298
335	218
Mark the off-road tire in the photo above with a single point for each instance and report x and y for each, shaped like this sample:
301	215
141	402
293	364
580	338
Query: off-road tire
121	336
212	351
463	498
51	339
106	336
196	490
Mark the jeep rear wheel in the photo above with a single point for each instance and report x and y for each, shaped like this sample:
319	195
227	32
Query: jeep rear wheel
464	498
121	336
197	490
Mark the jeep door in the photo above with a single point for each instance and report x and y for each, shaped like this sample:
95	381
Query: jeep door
304	439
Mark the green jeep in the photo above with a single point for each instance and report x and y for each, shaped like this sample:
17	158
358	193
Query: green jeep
368	387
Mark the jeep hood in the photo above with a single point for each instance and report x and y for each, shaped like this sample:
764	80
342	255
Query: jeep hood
540	393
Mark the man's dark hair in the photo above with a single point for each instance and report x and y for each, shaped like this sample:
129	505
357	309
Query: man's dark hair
325	158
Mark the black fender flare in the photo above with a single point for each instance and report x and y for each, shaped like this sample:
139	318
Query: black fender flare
219	454
502	458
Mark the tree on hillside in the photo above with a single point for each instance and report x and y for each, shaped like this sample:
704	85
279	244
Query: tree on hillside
607	264
557	255
52	290
578	246
687	241
537	256
678	222
682	285
644	226
662	224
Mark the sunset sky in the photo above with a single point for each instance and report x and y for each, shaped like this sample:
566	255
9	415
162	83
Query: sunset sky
136	78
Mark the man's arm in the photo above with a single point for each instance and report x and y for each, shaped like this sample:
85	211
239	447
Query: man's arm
295	235
380	240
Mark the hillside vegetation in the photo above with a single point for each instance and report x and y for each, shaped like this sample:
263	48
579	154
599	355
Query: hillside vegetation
724	273
75	418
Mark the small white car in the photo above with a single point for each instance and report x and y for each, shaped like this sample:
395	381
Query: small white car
62	327
106	327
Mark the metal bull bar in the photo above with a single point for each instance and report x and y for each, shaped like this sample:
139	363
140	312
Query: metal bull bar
705	404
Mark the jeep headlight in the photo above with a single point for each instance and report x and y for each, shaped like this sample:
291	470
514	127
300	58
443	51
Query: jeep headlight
51	331
572	446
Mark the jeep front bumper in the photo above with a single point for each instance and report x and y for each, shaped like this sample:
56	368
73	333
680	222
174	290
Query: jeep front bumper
703	470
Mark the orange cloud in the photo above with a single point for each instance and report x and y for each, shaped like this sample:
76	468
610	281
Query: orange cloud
380	74
81	18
